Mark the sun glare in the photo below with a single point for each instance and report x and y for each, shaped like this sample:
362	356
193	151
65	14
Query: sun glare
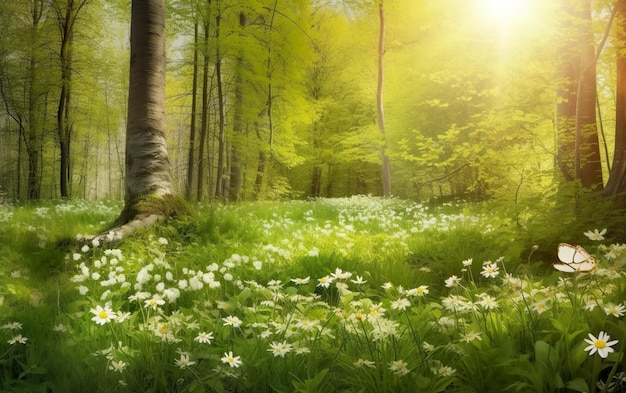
503	11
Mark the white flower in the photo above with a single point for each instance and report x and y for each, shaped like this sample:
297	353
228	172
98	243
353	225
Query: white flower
184	361
400	304
18	339
117	366
12	326
467	262
490	270
280	348
324	281
616	311
399	367
204	338
596	234
365	363
359	280
602	345
154	302
301	281
102	315
232	321
231	360
452	281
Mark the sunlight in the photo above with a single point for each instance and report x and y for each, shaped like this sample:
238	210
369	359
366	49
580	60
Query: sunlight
503	11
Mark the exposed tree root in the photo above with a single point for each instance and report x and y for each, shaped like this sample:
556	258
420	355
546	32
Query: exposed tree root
140	214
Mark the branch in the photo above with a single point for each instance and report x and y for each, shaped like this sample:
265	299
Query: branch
445	176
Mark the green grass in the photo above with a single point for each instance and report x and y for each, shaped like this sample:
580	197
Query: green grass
345	295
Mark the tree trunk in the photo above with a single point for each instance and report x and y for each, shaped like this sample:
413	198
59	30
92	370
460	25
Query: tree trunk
616	184
578	148
204	123
149	194
589	164
192	127
220	181
386	170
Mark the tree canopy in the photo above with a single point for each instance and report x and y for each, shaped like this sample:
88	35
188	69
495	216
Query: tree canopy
268	99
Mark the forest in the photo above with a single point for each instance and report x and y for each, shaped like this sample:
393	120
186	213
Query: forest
274	100
316	195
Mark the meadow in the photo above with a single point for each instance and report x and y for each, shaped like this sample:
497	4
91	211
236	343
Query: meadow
357	294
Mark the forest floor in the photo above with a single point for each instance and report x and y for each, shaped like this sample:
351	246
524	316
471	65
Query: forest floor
358	294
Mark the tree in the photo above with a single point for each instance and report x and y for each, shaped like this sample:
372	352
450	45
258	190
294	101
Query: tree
616	184
149	194
386	171
67	13
578	146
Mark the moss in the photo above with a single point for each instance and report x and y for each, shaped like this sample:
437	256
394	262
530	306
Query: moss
169	206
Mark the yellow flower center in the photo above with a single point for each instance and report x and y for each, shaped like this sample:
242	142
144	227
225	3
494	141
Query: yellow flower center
600	344
103	315
164	329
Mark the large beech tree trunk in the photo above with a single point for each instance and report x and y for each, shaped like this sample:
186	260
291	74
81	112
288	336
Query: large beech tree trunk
149	194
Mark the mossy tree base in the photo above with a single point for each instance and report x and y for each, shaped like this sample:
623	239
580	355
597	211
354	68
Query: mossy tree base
142	213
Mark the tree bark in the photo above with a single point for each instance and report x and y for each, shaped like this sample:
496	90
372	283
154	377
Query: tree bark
386	170
149	194
192	127
616	184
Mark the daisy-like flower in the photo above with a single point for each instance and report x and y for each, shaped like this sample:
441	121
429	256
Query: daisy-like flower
471	336
232	321
616	311
103	315
444	371
118	366
324	282
154	302
359	280
18	339
204	338
184	361
361	363
301	281
488	302
280	348
306	324
541	306
231	360
399	367
387	285
596	234
467	262
452	281
601	345
12	326
490	270
400	304
340	274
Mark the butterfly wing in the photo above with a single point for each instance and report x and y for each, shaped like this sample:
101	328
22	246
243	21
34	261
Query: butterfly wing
574	259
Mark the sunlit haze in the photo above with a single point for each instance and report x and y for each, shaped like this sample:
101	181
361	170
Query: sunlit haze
503	11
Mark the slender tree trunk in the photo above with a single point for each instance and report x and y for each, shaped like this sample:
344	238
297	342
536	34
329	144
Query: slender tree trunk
386	170
235	179
204	126
192	128
220	183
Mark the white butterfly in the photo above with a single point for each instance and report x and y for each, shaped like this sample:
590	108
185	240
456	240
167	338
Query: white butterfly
574	259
